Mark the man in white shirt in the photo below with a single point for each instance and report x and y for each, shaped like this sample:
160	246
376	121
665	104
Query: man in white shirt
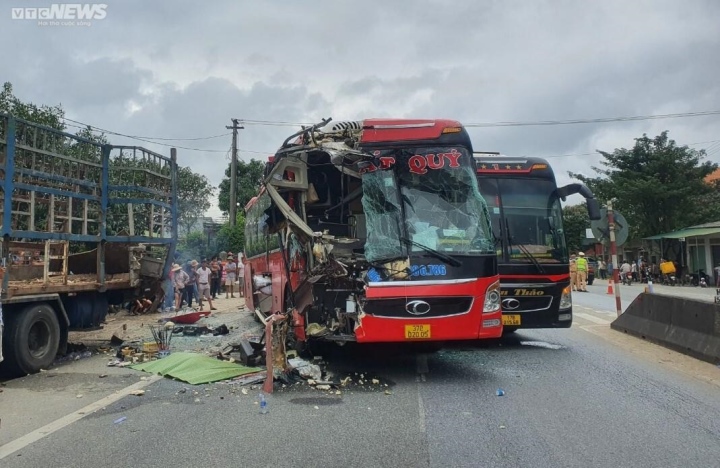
203	284
231	268
241	276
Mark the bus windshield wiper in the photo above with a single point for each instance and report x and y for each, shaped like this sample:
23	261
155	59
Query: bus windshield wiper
435	253
522	249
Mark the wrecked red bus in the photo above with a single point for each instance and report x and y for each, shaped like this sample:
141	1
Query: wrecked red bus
374	231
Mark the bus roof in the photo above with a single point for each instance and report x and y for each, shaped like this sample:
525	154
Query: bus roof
381	130
507	165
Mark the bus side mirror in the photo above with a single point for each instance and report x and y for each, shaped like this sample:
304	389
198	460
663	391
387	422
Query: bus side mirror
593	208
592	204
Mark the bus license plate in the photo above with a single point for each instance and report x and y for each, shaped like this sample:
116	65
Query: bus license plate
513	320
417	332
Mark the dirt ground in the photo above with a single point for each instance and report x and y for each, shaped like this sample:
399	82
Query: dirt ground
134	330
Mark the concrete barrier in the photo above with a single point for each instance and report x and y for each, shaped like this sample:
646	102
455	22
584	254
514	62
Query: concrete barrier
686	325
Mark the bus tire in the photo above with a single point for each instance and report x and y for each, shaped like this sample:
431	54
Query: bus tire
33	338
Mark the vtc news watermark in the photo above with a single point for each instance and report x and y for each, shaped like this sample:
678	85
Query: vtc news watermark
62	14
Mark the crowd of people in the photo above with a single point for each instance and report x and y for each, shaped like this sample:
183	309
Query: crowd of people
202	281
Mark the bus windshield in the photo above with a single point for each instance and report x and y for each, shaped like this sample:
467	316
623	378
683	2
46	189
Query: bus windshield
428	196
529	214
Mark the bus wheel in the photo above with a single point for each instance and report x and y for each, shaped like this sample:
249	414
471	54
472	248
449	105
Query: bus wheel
33	338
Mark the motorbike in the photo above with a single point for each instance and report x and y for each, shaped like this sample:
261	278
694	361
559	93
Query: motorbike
626	279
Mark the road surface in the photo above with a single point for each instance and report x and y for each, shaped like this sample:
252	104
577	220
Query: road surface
586	396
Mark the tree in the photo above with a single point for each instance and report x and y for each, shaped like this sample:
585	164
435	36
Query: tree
232	239
193	247
194	192
50	116
658	185
249	178
575	221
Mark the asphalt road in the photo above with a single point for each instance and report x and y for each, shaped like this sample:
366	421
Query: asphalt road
586	396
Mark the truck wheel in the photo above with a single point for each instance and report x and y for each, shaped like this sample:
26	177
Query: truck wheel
33	337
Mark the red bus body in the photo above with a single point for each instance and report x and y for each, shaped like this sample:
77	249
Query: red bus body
320	239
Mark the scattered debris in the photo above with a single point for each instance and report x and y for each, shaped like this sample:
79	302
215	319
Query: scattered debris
138	392
244	391
500	392
78	396
375	381
323	387
120	420
221	330
307	370
102	376
388	392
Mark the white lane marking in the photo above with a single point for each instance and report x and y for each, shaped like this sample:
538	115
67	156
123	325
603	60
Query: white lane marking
421	411
541	344
34	436
592	318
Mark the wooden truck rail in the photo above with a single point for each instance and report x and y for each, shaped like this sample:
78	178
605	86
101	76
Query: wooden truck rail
78	219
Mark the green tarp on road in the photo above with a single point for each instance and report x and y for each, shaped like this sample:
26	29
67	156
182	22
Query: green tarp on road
195	368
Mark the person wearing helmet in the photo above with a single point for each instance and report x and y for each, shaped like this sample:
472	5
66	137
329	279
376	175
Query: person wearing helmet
582	272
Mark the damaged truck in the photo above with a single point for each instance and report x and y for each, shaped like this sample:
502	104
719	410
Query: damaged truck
85	226
372	231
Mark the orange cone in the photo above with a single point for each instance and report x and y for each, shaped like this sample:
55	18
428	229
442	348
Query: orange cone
610	287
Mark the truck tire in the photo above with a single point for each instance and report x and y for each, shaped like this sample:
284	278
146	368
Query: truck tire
33	338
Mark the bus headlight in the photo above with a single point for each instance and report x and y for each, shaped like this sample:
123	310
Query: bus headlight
492	298
566	298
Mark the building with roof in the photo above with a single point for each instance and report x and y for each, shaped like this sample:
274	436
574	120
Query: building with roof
698	246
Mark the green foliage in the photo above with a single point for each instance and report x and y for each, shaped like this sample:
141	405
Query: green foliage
193	247
50	116
249	177
232	239
194	192
658	185
575	221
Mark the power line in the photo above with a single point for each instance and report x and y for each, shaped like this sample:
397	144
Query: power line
599	120
526	123
144	139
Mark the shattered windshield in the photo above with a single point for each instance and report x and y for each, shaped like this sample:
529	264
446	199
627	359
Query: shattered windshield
428	195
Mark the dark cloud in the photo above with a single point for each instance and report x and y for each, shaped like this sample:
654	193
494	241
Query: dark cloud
183	68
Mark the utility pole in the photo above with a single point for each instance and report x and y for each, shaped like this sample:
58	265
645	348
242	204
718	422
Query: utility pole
613	252
233	172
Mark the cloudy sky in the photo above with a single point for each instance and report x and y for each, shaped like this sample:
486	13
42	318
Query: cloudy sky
182	69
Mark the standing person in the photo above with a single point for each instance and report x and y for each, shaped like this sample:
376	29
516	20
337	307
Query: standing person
634	271
573	272
214	277
179	280
190	288
610	269
582	272
203	284
241	277
231	268
603	269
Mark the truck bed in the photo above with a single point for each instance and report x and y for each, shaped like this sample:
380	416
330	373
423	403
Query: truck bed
75	283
